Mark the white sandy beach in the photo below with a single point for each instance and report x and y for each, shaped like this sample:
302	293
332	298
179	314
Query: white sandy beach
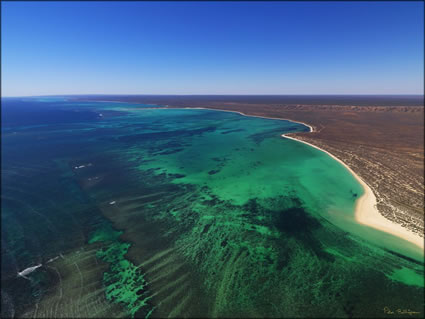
366	212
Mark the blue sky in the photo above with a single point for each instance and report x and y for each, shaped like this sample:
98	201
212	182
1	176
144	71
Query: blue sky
212	48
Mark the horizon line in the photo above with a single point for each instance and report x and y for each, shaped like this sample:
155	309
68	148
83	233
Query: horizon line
217	94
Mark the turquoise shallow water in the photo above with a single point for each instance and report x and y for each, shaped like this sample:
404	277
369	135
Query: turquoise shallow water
166	212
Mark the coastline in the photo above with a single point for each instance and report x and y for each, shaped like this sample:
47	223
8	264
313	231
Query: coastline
243	114
365	212
206	108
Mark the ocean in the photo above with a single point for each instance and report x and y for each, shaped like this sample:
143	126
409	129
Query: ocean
135	210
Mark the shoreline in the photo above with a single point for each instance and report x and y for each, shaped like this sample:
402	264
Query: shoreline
243	114
365	211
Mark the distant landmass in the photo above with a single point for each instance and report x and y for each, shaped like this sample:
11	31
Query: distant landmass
190	100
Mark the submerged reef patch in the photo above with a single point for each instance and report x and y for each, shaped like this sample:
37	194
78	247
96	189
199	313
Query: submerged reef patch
124	282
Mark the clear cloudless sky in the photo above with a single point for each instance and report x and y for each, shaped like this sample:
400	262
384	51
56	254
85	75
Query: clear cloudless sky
212	48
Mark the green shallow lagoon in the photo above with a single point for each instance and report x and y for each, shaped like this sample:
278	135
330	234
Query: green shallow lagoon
178	212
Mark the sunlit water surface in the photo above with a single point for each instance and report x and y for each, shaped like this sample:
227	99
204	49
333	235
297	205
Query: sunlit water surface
134	211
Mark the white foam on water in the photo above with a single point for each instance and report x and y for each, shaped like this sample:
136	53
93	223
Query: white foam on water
52	259
28	270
